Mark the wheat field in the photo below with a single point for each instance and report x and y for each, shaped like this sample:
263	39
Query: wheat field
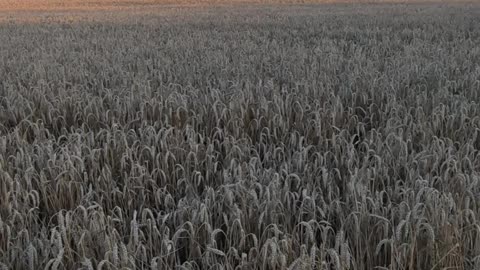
300	136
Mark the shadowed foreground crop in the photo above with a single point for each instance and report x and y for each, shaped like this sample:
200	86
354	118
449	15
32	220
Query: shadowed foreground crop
300	137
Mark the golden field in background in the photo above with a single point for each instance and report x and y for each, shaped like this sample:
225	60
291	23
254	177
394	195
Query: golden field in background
14	5
35	11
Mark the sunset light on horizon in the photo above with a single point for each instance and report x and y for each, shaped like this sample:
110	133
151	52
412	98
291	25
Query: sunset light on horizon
11	5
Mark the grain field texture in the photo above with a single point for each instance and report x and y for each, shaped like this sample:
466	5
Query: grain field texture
298	136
